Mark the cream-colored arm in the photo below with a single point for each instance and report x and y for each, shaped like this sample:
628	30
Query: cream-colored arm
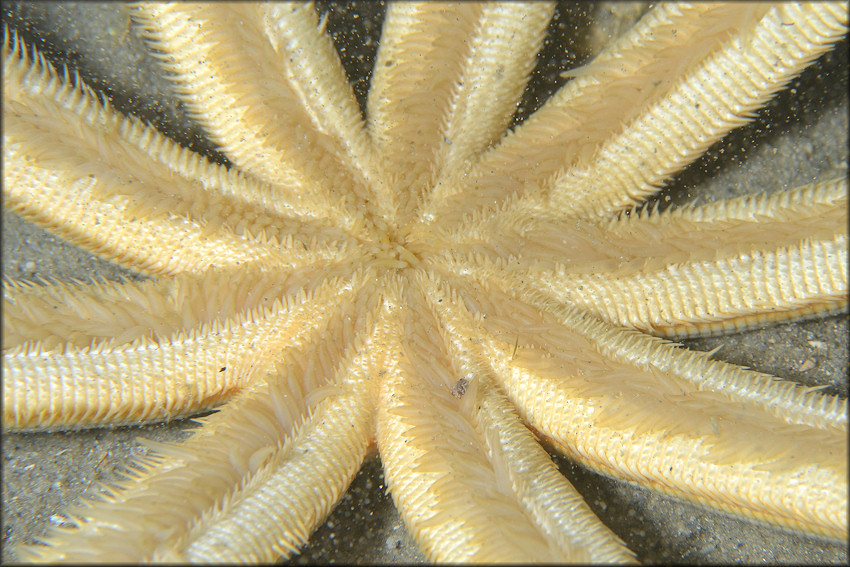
245	486
446	84
118	188
635	408
121	354
690	271
296	126
607	140
470	481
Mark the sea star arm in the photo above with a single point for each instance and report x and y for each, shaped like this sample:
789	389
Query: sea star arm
755	62
323	459
633	407
267	85
79	314
689	271
716	268
593	168
123	354
119	189
446	84
469	479
245	486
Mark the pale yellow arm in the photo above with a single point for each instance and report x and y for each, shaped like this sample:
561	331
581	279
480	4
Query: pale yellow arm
693	271
317	79
446	84
715	268
753	62
604	142
167	359
298	131
61	315
707	297
117	188
469	479
635	408
419	60
244	487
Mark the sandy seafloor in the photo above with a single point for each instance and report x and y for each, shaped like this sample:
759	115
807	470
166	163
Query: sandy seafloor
802	136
